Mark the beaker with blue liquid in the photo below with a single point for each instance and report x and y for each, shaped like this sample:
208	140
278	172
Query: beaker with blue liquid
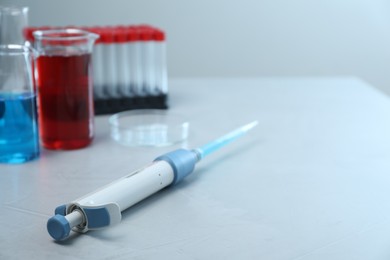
19	141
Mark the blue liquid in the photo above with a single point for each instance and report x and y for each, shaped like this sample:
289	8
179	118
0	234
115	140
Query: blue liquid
19	140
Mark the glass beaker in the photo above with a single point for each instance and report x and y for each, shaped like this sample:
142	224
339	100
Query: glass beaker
19	141
64	83
13	20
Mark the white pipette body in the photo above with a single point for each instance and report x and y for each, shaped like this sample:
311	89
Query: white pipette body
103	207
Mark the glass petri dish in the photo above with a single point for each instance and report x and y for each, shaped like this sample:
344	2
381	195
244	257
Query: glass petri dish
148	127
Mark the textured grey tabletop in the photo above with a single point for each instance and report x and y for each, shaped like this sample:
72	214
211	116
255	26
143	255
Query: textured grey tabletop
311	181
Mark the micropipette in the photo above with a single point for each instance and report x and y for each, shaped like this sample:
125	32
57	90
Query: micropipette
103	207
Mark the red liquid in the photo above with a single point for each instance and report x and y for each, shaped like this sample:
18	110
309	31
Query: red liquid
65	101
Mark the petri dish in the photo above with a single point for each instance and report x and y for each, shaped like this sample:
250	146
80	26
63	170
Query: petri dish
148	127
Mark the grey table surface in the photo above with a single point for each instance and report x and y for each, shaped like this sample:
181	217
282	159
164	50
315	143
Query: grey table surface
311	181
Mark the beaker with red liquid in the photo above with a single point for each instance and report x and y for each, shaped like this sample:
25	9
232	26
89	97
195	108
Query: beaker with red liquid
64	84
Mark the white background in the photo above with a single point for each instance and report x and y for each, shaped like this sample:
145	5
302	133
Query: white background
248	38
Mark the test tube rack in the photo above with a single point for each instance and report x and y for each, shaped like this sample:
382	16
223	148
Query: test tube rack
129	67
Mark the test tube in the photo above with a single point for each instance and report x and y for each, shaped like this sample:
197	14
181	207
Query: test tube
147	53
122	62
109	63
134	58
97	63
160	66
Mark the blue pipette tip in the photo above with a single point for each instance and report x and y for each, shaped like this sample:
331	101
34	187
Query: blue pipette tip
249	126
58	227
223	140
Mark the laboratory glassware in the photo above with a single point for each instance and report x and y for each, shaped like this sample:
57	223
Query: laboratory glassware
19	141
13	21
64	82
